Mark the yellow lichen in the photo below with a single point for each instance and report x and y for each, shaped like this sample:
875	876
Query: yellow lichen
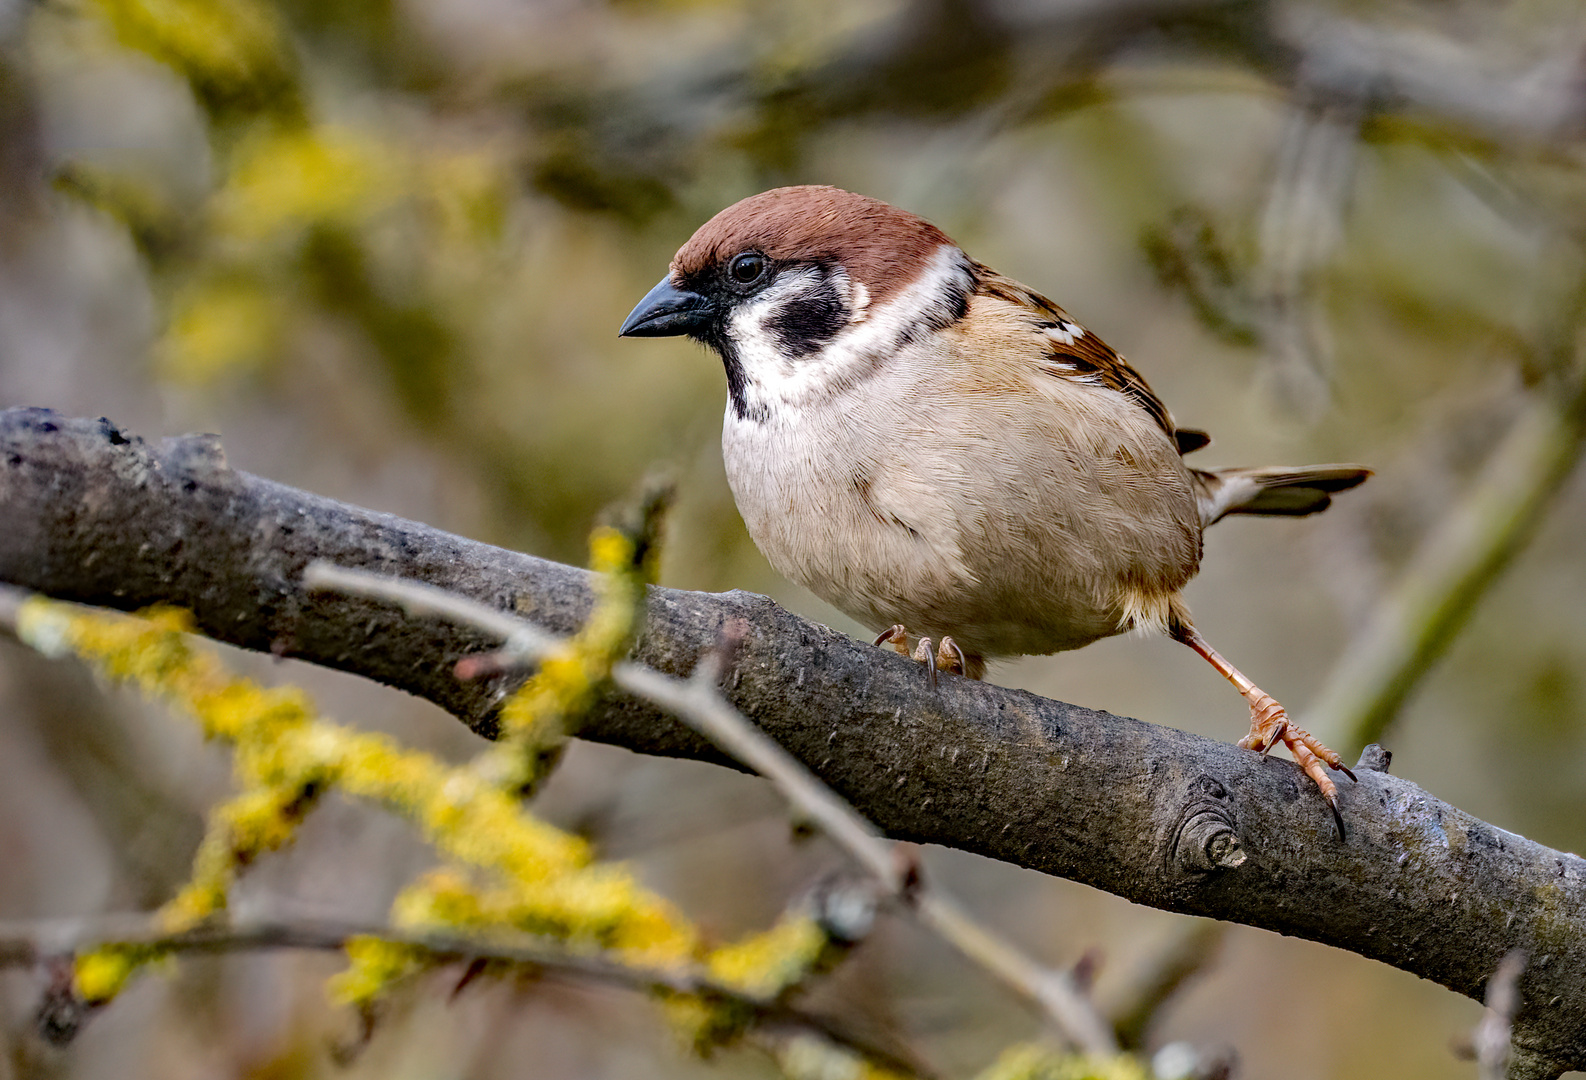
218	326
99	975
762	967
285	180
375	965
545	881
255	822
232	52
766	964
540	715
1029	1061
511	874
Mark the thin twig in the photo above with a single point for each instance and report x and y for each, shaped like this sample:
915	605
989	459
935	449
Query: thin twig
698	702
27	943
418	599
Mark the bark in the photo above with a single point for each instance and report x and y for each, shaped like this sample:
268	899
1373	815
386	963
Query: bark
1155	815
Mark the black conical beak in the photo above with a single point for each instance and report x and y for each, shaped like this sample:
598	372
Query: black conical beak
667	311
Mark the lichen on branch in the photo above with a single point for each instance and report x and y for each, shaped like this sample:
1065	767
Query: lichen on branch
507	872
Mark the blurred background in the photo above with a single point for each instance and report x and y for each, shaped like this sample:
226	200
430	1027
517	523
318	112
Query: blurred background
383	246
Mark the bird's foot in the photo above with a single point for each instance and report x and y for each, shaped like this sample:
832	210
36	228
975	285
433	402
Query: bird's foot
896	636
1269	725
948	656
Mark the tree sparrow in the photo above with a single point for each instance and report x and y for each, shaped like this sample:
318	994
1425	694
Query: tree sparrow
925	443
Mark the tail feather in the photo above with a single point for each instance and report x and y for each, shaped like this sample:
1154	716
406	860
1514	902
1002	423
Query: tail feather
1277	490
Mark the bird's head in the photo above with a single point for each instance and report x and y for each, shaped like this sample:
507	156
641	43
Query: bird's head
800	288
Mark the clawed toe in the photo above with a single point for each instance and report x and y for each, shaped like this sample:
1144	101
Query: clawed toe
1338	817
946	657
949	657
922	654
1269	725
896	636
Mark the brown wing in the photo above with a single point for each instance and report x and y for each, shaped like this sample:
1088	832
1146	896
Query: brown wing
1079	354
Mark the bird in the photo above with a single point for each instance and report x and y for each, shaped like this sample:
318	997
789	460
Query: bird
938	450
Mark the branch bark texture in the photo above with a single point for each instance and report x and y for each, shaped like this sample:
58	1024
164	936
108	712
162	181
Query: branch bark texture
1155	815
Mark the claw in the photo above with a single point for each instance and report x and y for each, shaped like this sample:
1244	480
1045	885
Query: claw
922	653
1315	759
948	652
1338	817
949	656
896	636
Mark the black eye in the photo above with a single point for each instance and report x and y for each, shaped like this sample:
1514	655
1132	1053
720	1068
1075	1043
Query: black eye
747	268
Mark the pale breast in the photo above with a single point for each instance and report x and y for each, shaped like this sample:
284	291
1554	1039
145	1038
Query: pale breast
959	498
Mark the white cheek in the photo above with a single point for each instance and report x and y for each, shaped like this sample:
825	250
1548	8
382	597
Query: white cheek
886	324
873	331
858	301
772	377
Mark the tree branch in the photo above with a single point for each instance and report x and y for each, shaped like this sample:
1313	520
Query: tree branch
697	701
1158	816
30	943
1465	553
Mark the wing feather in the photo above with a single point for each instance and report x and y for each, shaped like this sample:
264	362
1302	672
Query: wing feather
1078	354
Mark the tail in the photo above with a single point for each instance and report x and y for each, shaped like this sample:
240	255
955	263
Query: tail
1276	490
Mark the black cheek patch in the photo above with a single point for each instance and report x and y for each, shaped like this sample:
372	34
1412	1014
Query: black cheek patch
804	325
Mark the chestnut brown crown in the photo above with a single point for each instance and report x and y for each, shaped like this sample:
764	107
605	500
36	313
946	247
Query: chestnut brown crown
874	242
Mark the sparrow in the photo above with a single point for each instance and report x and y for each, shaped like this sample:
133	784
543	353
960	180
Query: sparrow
934	448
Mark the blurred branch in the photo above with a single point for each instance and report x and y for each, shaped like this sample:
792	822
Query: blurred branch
937	59
1299	229
1156	982
1393	68
697	701
28	944
1466	552
1156	815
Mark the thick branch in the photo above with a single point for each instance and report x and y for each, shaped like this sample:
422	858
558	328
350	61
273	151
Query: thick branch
1152	814
697	701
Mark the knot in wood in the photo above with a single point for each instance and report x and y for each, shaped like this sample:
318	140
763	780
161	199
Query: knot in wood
1207	837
